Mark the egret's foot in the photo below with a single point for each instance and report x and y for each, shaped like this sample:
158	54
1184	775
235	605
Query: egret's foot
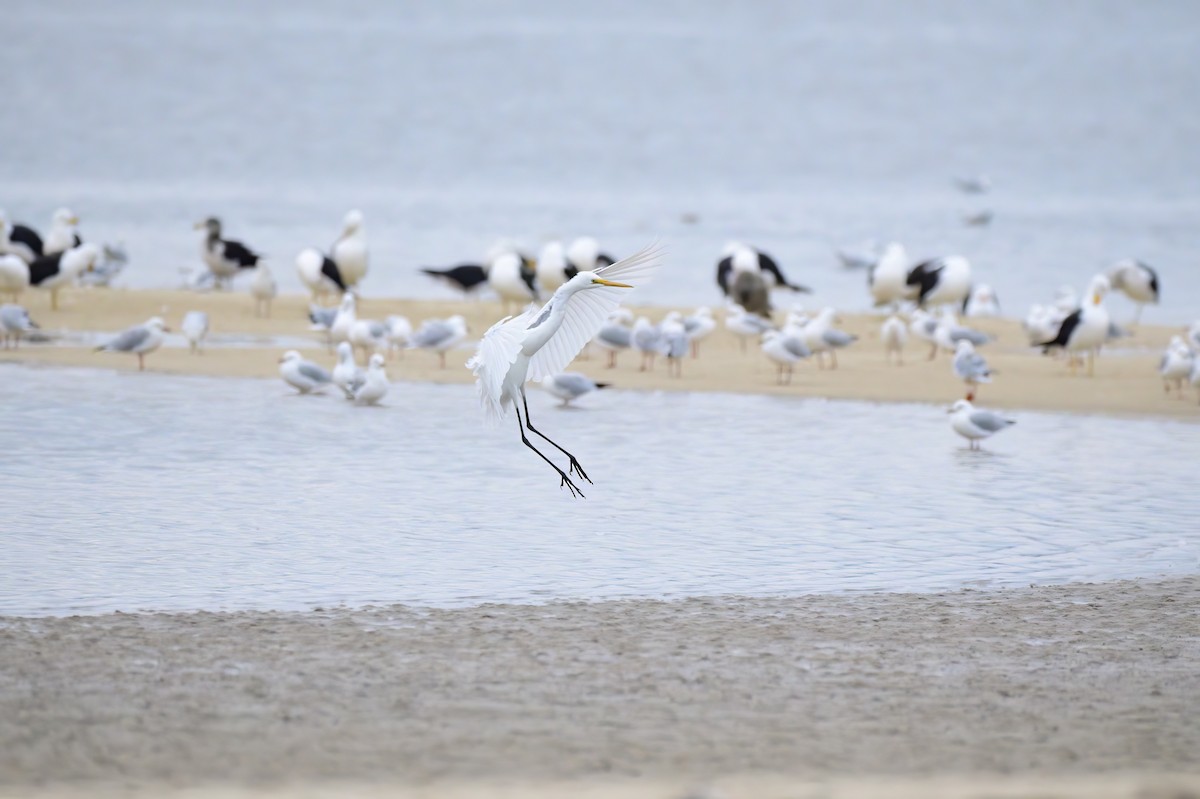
576	469
575	492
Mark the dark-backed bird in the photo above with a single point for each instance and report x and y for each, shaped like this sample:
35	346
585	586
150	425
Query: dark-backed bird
224	257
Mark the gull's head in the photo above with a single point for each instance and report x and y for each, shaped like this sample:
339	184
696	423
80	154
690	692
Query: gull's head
352	222
63	217
1099	287
344	352
347	302
211	224
963	345
290	355
157	323
376	361
745	259
960	405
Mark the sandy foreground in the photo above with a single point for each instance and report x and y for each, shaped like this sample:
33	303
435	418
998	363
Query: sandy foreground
1126	382
1081	690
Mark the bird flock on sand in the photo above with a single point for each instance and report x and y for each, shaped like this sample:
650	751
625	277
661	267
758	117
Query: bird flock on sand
566	301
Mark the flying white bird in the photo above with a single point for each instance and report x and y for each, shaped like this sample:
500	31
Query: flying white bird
540	343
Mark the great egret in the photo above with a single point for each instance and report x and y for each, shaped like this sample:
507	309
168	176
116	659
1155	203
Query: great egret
541	342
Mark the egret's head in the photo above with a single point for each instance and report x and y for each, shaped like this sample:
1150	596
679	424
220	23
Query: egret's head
290	355
590	280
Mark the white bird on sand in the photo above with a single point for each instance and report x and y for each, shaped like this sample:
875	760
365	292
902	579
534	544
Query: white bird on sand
369	335
347	315
62	235
349	252
887	279
439	335
540	343
225	258
373	384
139	339
675	342
975	424
194	328
1137	281
319	273
399	334
52	272
981	302
1041	323
1086	330
1176	365
14	322
1194	377
698	327
970	367
949	332
941	280
263	290
346	371
924	326
745	325
894	335
302	375
820	336
647	339
615	334
552	267
513	280
785	348
570	386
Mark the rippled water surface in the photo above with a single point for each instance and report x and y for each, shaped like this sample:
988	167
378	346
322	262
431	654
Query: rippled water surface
140	491
792	125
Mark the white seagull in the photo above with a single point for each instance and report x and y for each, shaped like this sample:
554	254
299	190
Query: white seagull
570	386
346	372
1085	330
52	272
746	325
615	335
786	349
14	322
887	278
1176	365
373	385
894	335
319	273
1137	281
540	343
399	334
974	423
439	335
139	339
263	290
941	280
302	375
675	342
981	302
349	252
820	336
698	327
194	328
647	339
970	367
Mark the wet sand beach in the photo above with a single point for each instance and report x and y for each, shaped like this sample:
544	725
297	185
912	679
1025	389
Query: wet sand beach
1126	380
632	698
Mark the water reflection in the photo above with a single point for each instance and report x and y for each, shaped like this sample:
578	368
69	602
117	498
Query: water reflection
141	491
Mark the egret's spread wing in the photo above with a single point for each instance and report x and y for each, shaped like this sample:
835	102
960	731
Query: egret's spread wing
587	310
498	348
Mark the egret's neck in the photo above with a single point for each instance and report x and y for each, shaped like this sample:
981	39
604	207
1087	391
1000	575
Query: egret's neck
550	318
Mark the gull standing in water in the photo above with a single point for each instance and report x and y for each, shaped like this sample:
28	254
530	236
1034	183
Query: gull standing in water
975	424
568	386
540	343
139	339
304	376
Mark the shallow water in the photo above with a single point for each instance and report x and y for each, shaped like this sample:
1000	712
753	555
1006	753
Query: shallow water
793	126
141	491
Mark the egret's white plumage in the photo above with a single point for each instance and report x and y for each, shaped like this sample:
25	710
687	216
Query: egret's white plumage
540	343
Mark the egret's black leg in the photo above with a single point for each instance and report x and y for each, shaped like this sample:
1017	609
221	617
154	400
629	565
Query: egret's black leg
574	467
566	481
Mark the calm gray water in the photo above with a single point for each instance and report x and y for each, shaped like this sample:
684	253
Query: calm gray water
791	125
141	491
